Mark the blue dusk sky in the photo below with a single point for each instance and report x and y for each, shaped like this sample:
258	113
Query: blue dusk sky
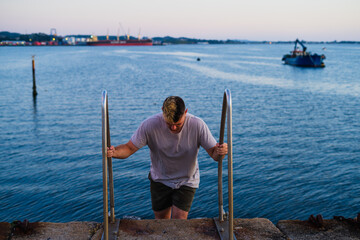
311	20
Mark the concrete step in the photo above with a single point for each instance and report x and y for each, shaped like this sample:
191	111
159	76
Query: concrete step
204	228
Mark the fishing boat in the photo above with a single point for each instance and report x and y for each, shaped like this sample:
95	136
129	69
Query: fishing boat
302	58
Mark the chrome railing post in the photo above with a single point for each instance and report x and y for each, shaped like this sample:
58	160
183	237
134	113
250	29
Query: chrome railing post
110	169
105	164
220	222
221	141
230	163
107	167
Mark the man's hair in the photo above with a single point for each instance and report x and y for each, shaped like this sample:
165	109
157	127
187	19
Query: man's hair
173	108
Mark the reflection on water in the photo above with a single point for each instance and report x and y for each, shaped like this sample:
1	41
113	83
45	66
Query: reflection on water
34	105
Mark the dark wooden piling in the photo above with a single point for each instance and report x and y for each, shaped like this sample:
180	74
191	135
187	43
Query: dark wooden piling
33	73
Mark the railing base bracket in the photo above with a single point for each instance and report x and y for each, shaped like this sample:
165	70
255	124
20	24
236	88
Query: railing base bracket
113	230
223	229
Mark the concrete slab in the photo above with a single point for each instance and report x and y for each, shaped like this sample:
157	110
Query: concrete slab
168	229
257	228
52	231
254	229
330	230
4	230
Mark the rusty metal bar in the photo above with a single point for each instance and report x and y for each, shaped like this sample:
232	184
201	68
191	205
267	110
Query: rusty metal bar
33	74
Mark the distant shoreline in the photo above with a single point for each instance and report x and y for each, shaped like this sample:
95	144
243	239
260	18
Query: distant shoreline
17	39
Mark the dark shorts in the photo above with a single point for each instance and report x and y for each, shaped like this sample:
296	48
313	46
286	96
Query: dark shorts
163	197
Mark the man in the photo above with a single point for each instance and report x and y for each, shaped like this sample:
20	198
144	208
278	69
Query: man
174	137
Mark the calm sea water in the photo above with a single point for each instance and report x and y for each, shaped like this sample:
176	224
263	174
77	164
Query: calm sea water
296	131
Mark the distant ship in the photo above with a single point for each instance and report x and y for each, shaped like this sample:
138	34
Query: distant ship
303	58
125	42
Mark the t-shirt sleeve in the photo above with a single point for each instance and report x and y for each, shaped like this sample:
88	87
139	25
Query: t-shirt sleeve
207	140
139	138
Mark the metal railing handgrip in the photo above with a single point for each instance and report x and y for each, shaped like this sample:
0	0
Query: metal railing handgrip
221	141
230	164
226	110
110	169
105	164
107	167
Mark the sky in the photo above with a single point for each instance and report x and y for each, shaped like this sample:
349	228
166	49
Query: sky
258	20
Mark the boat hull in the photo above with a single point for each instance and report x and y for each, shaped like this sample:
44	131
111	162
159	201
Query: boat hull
146	42
305	61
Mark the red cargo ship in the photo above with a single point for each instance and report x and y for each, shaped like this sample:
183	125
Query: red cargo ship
128	42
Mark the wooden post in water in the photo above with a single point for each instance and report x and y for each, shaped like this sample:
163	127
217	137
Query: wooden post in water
33	73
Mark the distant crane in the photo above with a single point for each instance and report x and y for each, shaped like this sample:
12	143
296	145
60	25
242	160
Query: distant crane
139	34
300	42
53	32
121	29
127	34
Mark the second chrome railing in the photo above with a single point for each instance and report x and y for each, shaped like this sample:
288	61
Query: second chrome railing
107	168
225	221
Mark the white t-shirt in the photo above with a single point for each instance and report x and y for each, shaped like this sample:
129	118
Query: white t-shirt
174	156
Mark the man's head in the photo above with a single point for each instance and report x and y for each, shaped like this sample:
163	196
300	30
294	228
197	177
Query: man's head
174	113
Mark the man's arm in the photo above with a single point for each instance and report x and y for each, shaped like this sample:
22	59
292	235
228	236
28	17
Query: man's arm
218	151
122	151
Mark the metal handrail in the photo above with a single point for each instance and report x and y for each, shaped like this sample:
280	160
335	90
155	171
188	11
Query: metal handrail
226	110
107	167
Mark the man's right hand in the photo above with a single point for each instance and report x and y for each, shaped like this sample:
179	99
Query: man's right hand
110	151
